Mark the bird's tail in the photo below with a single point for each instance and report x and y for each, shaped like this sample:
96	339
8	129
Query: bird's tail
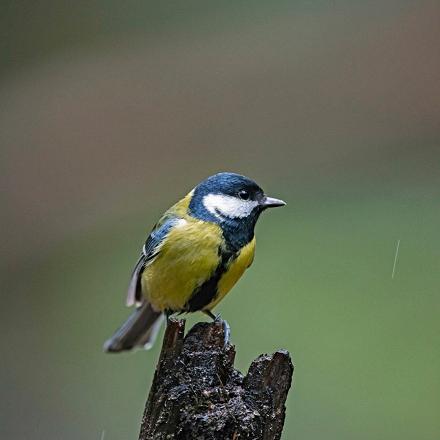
139	330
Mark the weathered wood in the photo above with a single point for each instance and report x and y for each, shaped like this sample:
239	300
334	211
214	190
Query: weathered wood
197	393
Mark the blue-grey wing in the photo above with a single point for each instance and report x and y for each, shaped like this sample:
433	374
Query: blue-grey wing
150	250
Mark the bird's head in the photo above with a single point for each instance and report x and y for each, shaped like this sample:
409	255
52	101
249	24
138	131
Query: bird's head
231	200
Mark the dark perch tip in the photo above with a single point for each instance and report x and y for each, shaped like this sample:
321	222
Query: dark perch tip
197	393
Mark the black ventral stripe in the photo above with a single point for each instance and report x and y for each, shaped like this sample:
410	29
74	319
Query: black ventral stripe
207	292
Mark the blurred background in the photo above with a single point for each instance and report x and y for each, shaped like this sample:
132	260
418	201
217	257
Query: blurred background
111	111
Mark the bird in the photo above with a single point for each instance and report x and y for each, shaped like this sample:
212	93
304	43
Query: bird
193	256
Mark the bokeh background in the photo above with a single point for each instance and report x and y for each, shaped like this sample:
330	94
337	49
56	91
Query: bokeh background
111	111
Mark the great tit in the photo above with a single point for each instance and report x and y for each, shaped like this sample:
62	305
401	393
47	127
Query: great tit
193	257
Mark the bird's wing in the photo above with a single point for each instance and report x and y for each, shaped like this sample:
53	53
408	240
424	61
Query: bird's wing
149	252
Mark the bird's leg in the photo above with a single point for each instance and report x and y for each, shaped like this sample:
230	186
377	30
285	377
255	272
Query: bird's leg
212	316
168	313
217	318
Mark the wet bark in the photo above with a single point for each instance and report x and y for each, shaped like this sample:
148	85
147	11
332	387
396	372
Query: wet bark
197	393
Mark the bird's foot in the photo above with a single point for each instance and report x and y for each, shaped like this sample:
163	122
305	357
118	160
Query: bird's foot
226	331
218	318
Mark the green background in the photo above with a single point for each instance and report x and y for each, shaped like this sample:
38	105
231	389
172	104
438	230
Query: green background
111	111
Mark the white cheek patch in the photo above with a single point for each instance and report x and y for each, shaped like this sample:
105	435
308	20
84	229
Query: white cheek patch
228	206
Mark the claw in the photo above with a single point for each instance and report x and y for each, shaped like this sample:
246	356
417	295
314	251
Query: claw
217	318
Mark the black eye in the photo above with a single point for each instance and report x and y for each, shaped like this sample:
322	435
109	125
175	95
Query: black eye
243	194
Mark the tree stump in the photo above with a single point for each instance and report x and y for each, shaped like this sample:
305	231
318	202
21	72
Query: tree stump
197	393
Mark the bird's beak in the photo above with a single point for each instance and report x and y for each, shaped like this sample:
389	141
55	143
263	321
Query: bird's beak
270	202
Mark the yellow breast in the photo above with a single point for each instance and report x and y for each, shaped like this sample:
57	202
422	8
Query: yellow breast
187	258
234	272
